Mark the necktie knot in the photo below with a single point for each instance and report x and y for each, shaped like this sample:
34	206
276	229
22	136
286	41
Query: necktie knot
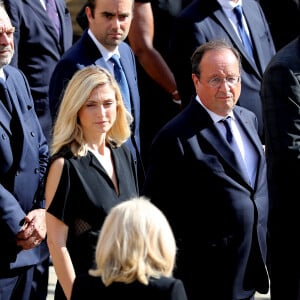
115	59
239	13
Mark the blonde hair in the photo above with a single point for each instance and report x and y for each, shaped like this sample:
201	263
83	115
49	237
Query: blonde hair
67	129
136	242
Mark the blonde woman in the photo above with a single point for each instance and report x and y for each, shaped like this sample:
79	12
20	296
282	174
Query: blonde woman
90	172
135	257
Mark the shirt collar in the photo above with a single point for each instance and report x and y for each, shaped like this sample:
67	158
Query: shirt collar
2	74
229	4
104	52
215	117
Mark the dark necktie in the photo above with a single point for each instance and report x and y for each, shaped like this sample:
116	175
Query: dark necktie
122	81
4	96
53	15
243	34
15	126
234	146
229	136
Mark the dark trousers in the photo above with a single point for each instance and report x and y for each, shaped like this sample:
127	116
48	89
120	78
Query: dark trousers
39	286
16	284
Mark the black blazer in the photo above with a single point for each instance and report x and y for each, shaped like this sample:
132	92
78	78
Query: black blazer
281	101
163	288
38	49
219	220
204	20
22	167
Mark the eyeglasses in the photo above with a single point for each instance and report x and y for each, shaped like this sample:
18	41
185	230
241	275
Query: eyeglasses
231	81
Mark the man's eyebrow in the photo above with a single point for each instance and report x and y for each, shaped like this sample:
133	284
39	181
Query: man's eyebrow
4	29
107	13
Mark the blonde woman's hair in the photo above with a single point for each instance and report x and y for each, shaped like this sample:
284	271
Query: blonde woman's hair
67	130
135	243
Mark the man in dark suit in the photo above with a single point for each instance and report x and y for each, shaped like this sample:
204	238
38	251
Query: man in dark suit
211	183
38	48
23	162
281	101
109	24
206	20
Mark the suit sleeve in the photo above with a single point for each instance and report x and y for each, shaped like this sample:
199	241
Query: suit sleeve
281	102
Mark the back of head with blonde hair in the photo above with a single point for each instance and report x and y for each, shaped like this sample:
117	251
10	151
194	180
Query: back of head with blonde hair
67	129
135	243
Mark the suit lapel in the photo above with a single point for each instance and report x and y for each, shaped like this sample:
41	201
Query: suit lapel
127	67
251	13
218	142
102	63
215	138
89	48
18	112
5	117
251	132
38	9
61	15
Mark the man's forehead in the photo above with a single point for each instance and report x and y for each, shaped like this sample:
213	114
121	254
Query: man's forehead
4	19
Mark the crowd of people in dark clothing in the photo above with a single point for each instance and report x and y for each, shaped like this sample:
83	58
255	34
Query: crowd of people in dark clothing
150	149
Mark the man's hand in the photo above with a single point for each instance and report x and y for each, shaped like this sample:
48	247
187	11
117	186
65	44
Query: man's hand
33	232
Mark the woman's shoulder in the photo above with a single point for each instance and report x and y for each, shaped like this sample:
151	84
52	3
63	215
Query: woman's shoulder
158	288
64	153
165	282
169	286
86	284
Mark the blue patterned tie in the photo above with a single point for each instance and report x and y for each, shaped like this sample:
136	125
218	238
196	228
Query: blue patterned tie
243	34
122	81
53	15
